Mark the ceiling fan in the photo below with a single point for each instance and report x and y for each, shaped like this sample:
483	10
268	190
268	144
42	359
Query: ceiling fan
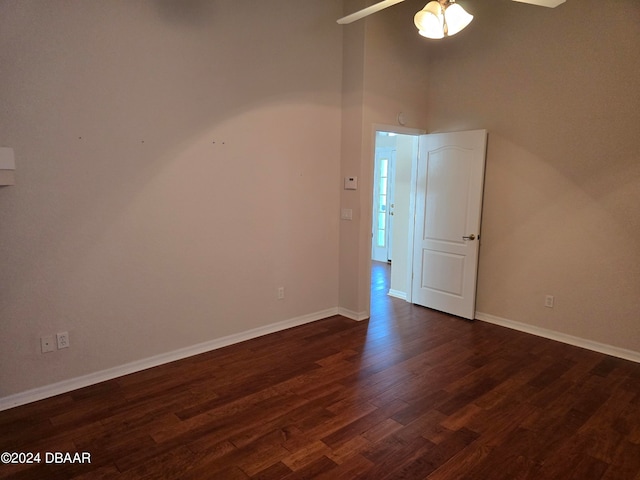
439	18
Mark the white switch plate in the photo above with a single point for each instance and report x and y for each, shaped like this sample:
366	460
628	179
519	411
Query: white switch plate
350	183
346	214
7	159
47	344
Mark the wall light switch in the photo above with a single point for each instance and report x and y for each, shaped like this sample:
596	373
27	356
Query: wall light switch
7	166
7	159
346	214
47	344
350	183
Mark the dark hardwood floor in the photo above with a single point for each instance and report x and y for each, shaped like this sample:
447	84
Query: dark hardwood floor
409	394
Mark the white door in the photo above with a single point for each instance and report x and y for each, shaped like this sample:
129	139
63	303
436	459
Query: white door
447	203
383	204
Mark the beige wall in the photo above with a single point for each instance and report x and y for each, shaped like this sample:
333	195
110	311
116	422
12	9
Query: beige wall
176	163
385	73
558	91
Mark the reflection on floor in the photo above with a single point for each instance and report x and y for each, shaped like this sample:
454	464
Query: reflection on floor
380	280
382	305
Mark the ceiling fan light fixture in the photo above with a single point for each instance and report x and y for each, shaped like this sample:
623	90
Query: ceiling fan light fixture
430	21
439	19
457	18
432	34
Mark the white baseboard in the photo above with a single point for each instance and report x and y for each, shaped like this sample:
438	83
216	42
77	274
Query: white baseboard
71	384
357	316
65	386
397	294
561	337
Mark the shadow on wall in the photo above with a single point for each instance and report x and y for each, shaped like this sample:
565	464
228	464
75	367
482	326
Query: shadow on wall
144	134
196	13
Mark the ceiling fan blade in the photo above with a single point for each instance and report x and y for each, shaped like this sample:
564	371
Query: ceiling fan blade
376	7
542	3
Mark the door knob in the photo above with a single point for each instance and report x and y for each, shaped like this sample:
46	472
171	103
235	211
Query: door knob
470	237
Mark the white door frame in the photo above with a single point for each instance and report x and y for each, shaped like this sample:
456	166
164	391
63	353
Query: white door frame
381	127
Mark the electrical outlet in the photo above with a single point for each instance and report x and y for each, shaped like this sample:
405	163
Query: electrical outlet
280	293
548	301
47	344
63	340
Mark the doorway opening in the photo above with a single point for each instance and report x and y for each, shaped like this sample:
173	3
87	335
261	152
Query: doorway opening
426	213
395	152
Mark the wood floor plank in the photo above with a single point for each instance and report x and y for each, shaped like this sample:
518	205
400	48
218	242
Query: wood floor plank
276	471
356	467
461	464
393	454
362	425
355	446
626	462
306	456
431	458
411	393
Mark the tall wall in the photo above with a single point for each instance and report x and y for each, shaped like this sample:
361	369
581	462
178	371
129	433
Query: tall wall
558	91
385	73
177	162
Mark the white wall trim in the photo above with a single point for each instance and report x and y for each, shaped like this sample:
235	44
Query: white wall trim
139	365
561	337
357	316
397	294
